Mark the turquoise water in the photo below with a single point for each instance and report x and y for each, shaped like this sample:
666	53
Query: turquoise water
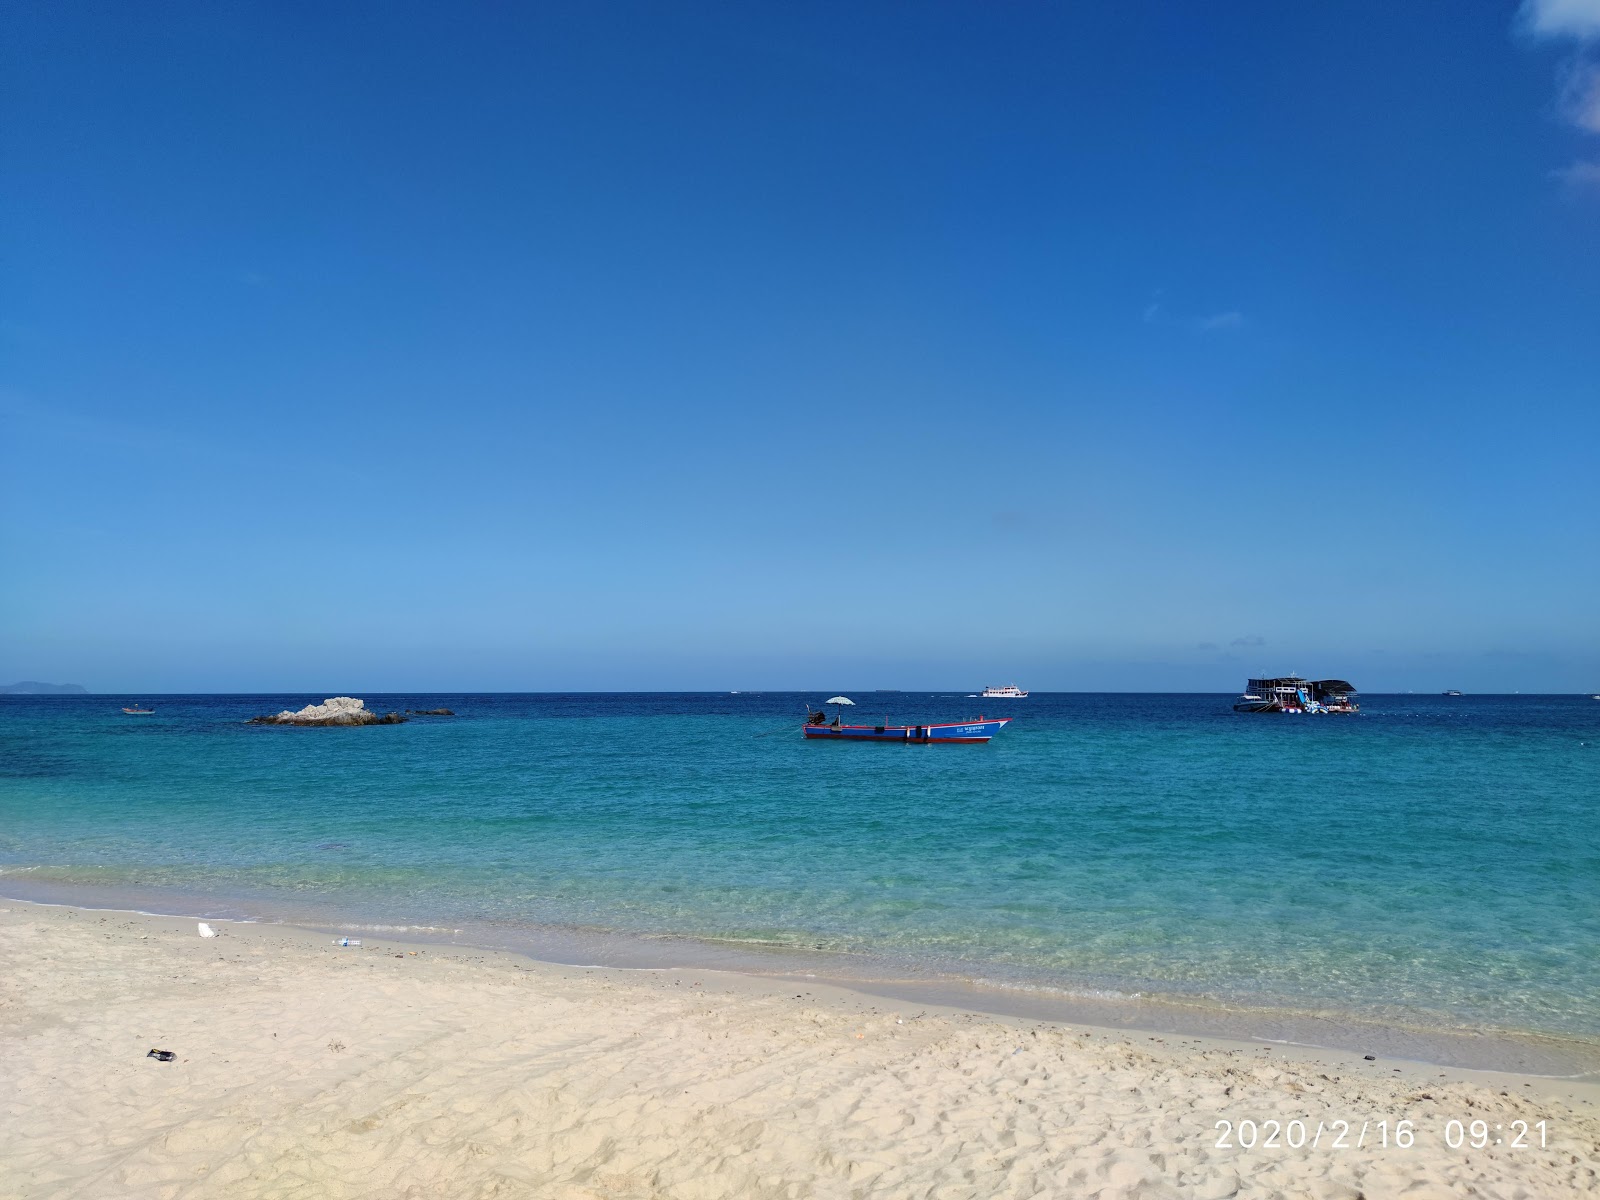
1433	862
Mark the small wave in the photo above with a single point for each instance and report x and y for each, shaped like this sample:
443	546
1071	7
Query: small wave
1045	989
138	912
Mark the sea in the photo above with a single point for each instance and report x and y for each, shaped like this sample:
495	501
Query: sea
1421	879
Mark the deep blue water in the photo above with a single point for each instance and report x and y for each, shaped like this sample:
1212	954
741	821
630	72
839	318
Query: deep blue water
1433	861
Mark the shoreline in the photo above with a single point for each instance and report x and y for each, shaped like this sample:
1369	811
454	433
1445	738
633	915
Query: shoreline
414	1068
1527	1055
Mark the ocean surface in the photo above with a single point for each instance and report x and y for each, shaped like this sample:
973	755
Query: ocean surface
1431	865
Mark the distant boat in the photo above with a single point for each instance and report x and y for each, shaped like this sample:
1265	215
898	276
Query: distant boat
1452	692
136	711
818	727
1291	694
1010	692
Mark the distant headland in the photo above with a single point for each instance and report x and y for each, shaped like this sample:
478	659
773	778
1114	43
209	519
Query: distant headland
32	687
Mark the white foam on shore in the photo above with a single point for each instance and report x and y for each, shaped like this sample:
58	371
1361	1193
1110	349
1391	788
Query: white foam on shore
140	912
380	928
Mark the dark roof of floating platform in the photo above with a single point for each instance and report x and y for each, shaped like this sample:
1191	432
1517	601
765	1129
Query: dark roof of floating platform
1321	685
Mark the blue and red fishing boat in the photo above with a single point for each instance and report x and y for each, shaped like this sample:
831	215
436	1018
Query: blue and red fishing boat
981	730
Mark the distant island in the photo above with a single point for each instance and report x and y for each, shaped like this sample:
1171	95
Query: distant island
336	710
32	687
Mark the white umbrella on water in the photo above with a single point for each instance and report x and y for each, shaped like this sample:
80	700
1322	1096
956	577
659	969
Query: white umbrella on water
843	700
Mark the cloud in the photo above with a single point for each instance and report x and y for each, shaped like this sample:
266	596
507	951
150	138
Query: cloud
1252	640
1156	313
1580	96
1561	18
1580	175
1579	102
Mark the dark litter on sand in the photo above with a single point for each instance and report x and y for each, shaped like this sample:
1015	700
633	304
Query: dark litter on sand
161	1055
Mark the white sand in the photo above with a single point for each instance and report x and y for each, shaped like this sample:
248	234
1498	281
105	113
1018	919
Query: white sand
306	1070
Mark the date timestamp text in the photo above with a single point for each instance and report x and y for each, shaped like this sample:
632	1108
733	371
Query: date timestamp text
1384	1134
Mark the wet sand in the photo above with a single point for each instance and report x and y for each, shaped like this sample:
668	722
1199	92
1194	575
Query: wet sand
426	1070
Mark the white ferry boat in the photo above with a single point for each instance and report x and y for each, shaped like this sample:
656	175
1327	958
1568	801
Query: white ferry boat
1010	692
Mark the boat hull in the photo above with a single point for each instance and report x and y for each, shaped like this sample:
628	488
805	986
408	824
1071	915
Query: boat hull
1256	706
977	731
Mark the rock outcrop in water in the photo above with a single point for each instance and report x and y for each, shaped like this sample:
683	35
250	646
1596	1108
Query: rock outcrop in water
336	710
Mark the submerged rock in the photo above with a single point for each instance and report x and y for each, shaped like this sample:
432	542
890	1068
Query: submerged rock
336	710
430	712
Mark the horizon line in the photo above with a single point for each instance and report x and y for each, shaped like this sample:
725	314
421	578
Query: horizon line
730	692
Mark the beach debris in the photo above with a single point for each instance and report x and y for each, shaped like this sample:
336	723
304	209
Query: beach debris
1370	1057
206	930
161	1055
345	941
336	710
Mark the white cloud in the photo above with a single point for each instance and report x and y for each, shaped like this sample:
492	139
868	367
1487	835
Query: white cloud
1584	175
1580	96
1572	20
1562	18
1156	313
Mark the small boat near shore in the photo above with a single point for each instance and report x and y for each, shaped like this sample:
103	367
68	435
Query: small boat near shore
1291	694
819	728
136	711
1010	692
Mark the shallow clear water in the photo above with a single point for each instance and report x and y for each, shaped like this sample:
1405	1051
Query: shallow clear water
1432	862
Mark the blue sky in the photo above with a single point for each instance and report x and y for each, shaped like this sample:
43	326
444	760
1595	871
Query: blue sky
600	345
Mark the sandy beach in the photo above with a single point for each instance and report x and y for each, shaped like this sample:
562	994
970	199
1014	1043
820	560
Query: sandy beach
305	1069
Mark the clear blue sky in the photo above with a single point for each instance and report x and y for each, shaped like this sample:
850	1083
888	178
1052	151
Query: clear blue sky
402	346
